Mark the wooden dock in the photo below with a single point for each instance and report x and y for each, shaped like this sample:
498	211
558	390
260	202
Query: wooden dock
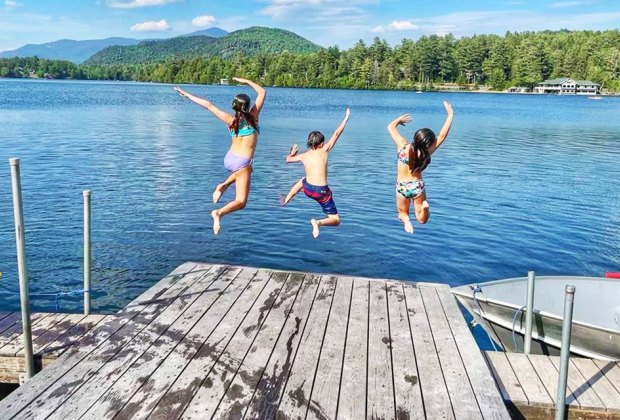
52	335
213	341
529	385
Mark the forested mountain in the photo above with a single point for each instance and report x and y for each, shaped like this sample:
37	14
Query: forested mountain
67	49
516	59
247	42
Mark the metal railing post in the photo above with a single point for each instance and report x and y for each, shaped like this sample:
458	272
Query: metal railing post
529	313
21	266
569	296
87	252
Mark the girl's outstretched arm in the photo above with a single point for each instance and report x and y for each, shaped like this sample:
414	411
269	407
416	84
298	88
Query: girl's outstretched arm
332	141
223	116
260	95
393	130
446	126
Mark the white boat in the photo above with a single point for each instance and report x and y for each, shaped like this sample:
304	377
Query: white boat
499	307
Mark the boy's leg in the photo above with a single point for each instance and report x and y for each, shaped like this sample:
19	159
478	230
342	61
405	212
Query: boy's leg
330	220
220	188
402	205
299	185
422	208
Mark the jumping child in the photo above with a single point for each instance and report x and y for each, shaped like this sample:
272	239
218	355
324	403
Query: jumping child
314	183
413	158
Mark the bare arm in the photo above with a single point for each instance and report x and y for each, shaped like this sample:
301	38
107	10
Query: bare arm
260	95
332	141
446	126
223	116
393	130
293	156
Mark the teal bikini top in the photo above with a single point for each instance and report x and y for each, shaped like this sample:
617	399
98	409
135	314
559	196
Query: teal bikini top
245	129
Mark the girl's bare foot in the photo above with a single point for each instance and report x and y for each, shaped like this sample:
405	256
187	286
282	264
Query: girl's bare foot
407	223
216	222
425	205
315	227
218	193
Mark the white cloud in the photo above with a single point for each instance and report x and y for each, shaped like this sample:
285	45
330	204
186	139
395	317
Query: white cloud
161	25
397	25
10	4
203	21
565	4
132	4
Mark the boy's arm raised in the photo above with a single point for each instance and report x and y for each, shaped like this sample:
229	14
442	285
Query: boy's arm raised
446	126
292	155
223	116
332	141
393	129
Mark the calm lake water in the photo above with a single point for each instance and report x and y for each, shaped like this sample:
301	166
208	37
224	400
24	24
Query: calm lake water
522	183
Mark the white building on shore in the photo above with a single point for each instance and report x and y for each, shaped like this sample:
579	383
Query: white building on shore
568	86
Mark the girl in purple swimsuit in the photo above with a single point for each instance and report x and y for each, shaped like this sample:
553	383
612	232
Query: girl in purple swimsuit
412	159
244	129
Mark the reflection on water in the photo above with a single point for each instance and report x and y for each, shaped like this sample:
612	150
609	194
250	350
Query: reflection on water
523	182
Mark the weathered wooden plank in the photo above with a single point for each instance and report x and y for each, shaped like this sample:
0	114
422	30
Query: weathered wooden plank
611	371
533	388
485	390
297	390
48	323
380	398
599	383
4	314
324	394
352	398
51	347
407	392
14	332
205	401
548	375
192	359
114	333
6	323
108	366
463	399
264	403
437	404
579	387
506	378
240	391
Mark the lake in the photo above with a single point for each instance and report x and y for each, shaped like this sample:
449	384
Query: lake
523	182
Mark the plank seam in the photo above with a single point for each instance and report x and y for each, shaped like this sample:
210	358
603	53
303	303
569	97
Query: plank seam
344	350
387	304
413	346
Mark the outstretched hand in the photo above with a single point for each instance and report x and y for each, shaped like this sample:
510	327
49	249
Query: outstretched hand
181	91
448	107
240	80
347	113
405	119
294	150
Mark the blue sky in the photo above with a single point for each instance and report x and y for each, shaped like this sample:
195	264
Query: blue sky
325	22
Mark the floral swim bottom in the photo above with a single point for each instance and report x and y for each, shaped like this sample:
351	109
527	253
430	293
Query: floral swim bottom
410	189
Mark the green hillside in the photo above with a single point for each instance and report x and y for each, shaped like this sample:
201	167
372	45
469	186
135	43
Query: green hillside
247	42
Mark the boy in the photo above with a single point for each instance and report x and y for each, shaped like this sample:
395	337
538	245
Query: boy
314	183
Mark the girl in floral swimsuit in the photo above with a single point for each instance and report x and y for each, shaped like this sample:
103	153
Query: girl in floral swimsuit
243	129
413	158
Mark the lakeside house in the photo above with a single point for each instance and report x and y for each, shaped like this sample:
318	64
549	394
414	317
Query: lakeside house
224	82
518	89
568	86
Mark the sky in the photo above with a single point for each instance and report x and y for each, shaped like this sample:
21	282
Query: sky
324	22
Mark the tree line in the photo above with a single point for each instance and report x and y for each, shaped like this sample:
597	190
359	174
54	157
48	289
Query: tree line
516	59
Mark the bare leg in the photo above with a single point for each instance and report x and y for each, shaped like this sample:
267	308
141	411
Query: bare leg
422	209
402	205
293	192
219	190
330	220
243	178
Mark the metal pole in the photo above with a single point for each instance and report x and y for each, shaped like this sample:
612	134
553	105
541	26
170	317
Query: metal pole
529	313
560	405
21	265
87	253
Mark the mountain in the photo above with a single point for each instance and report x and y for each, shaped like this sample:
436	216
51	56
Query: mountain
248	42
79	51
67	49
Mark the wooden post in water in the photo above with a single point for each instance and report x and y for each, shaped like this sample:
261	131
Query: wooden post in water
21	265
529	313
567	323
87	252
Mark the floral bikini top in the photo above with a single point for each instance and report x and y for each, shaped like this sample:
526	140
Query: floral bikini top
245	129
403	155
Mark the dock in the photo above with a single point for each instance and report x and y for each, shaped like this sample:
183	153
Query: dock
529	385
52	335
220	341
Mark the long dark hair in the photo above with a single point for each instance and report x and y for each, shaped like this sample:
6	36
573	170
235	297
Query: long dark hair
419	155
241	106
